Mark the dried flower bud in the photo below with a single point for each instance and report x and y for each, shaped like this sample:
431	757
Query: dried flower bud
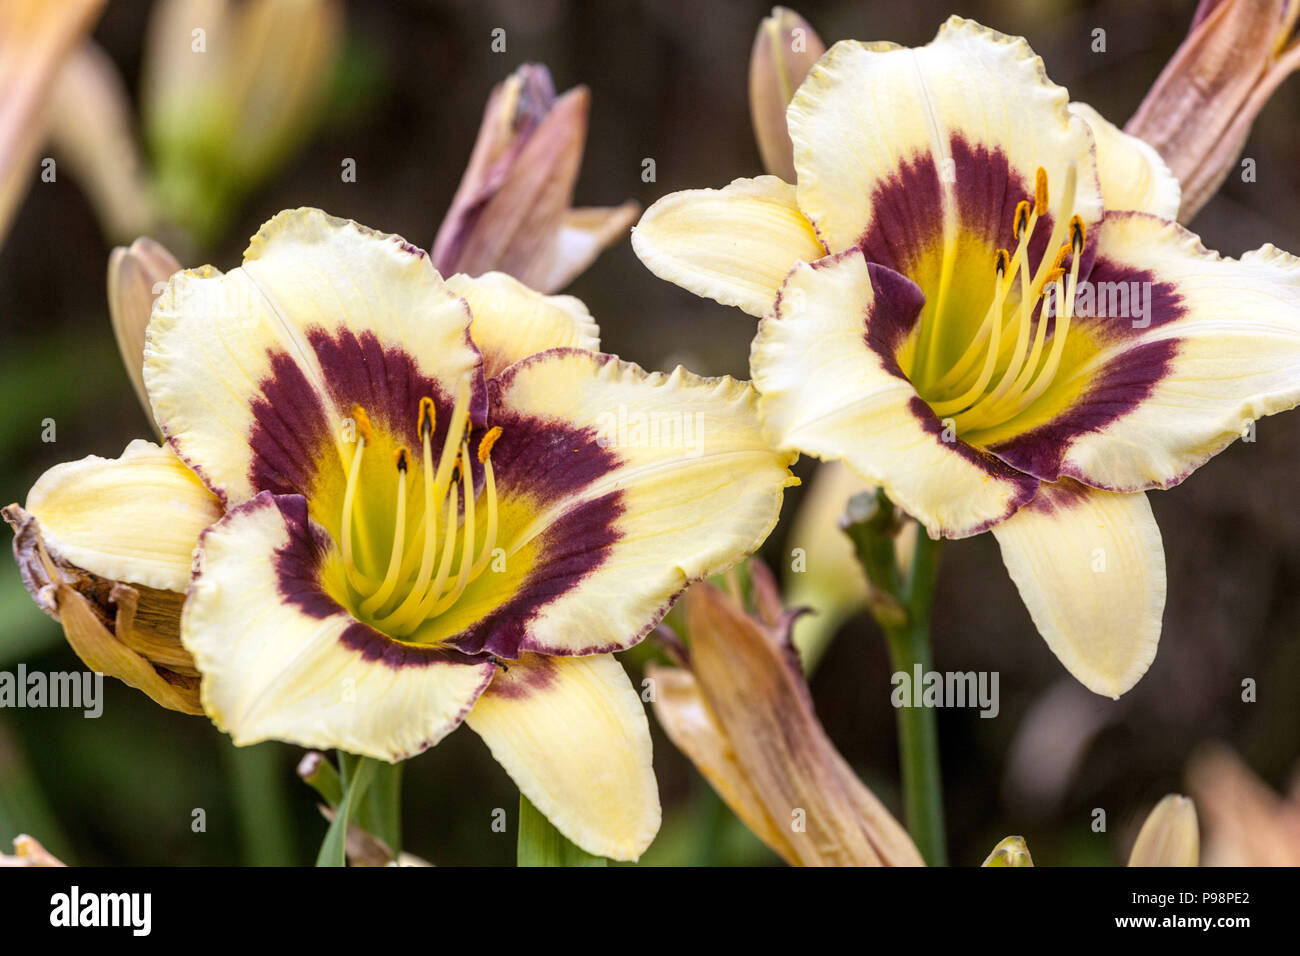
1201	108
743	714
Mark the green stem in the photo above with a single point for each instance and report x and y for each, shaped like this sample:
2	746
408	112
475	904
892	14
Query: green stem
261	804
918	737
901	604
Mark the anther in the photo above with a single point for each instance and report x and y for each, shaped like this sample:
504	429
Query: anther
363	423
1022	218
1040	192
426	419
486	442
1078	234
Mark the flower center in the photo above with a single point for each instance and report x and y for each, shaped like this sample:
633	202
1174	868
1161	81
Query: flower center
1004	369
418	581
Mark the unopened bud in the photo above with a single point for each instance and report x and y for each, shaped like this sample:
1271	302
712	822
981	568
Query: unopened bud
785	49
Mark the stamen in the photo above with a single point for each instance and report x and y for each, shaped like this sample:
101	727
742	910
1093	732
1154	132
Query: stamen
964	365
405	625
467	550
486	442
426	418
994	320
1020	224
364	435
1014	392
1078	234
490	493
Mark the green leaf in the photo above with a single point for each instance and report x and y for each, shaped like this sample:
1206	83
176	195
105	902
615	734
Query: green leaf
540	844
357	773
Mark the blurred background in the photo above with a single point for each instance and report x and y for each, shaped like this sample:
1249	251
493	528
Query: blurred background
668	83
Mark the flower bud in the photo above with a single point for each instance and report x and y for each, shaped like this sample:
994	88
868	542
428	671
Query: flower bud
1169	837
512	210
1011	851
1201	108
785	49
135	277
228	91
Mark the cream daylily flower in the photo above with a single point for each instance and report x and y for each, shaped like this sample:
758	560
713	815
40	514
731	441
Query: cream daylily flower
949	199
340	403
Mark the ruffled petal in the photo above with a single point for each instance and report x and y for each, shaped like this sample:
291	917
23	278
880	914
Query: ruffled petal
572	734
733	245
253	375
512	321
1091	570
617	488
136	518
830	386
899	148
1133	176
282	660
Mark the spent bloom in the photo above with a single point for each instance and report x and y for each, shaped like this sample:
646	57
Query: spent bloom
410	514
976	296
741	710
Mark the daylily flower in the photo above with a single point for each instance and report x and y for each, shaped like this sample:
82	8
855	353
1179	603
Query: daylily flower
35	38
740	709
1202	107
1169	836
512	210
341	404
977	298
